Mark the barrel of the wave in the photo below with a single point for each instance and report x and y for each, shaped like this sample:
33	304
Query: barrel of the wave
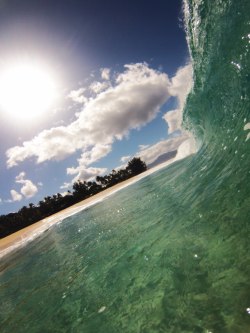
218	113
217	110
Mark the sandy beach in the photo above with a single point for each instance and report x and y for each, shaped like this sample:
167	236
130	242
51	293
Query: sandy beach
22	237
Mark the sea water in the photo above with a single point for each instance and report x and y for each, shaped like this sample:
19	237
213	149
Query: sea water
169	253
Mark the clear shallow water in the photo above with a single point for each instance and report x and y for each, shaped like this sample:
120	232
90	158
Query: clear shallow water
171	252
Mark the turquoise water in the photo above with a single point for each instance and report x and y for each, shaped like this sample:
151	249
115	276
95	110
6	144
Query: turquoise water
171	252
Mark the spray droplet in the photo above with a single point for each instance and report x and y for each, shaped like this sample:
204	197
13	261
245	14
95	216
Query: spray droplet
102	309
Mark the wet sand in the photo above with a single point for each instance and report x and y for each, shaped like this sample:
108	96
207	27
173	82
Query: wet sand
22	237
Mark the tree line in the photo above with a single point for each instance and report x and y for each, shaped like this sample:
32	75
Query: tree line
30	214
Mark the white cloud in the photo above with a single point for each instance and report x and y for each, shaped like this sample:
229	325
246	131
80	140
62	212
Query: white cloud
94	155
181	85
83	173
142	147
98	87
15	196
66	185
174	120
77	96
105	73
125	158
119	167
150	154
65	193
135	100
20	177
28	189
53	144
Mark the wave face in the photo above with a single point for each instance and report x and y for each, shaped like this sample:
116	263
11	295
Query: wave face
171	252
218	108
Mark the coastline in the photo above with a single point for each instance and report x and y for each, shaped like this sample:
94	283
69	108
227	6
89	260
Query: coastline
22	237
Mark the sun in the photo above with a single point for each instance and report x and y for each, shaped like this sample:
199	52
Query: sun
27	90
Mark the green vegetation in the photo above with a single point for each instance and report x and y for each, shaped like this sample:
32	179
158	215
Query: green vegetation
81	190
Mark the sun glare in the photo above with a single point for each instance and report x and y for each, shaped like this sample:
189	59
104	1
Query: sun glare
27	90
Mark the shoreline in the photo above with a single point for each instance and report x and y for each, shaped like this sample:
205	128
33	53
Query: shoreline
22	237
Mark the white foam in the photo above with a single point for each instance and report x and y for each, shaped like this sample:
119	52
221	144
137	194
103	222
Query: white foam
247	127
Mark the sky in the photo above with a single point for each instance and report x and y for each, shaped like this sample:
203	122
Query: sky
84	87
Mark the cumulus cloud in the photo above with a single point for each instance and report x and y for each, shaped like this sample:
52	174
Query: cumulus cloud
125	158
77	96
150	154
82	171
105	73
142	147
28	189
85	173
94	155
132	102
174	120
98	87
182	83
53	144
65	193
15	196
180	87
184	144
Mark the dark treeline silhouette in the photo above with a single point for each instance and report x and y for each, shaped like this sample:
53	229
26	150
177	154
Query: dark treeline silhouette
30	214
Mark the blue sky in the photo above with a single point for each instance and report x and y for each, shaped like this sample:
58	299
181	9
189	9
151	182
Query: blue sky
120	73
